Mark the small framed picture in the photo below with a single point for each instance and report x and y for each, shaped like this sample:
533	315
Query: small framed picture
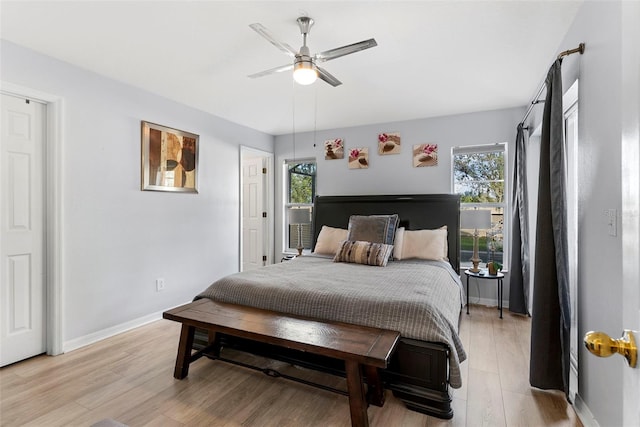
425	155
359	158
169	159
388	143
334	149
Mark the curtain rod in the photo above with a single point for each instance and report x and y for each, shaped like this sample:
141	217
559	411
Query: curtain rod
579	49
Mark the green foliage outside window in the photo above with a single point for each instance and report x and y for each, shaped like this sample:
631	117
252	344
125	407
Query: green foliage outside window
302	180
479	177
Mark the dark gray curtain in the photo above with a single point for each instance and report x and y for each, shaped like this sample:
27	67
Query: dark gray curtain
519	263
550	322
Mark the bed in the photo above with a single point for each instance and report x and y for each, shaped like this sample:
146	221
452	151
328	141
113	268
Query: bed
426	312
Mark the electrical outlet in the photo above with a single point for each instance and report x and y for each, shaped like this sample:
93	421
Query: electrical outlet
160	285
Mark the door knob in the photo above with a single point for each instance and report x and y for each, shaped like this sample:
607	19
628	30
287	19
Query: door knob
602	345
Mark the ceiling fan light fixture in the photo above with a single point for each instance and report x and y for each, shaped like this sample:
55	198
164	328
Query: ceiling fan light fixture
304	72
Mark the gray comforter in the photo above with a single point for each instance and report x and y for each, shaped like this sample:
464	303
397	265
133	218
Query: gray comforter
420	299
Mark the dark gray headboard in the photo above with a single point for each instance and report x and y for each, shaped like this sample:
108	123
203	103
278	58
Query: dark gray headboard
416	212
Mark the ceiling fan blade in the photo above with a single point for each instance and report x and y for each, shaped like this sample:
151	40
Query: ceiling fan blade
260	29
324	75
272	71
345	50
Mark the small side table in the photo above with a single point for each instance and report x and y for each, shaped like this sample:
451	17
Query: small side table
483	274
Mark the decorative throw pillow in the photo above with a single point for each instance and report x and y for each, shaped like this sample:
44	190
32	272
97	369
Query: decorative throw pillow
363	253
373	228
425	244
329	240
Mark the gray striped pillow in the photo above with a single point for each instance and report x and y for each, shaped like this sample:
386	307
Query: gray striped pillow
363	253
373	228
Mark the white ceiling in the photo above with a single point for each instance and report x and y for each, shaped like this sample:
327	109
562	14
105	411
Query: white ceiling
433	58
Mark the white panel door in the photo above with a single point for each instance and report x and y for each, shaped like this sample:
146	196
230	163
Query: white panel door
253	222
22	297
630	70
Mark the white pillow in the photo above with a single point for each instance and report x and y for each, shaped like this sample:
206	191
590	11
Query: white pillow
424	244
329	240
397	243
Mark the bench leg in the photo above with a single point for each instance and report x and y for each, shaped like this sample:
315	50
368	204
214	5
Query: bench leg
357	402
375	391
214	343
184	352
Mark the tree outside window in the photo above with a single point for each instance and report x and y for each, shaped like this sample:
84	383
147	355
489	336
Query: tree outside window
302	183
479	179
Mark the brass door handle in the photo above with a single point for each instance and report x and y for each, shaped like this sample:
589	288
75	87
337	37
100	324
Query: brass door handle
602	345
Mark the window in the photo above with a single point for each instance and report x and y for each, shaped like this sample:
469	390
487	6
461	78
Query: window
300	179
479	177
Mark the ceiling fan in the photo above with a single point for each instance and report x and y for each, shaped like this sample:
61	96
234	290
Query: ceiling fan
305	68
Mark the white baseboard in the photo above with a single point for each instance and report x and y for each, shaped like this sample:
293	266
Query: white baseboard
583	412
94	337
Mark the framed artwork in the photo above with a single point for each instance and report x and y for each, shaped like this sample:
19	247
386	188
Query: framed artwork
169	159
425	155
359	158
334	149
388	143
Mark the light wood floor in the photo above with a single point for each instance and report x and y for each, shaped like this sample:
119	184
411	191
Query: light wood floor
129	378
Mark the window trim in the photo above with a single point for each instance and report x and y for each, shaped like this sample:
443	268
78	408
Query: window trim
506	204
287	204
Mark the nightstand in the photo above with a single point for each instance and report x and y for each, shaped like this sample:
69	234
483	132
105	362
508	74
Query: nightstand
483	274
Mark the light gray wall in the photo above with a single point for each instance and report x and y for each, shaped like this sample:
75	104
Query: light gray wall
117	239
598	25
395	174
600	299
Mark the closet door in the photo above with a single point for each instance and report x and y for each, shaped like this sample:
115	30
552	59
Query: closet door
22	273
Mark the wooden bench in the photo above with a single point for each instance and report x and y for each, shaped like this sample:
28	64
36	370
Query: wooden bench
361	348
